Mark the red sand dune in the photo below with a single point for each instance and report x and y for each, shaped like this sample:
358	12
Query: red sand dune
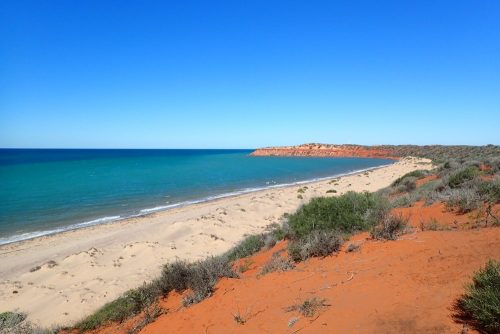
420	214
403	286
324	150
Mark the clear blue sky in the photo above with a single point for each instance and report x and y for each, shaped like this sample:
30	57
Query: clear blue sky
244	74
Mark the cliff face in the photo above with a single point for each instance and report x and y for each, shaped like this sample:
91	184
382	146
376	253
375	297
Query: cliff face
326	150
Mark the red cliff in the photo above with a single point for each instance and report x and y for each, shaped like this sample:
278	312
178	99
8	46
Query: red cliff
326	150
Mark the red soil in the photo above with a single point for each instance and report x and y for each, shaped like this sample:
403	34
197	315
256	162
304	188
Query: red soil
426	179
404	286
320	150
419	215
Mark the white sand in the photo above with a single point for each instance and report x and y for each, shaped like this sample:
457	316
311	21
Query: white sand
96	264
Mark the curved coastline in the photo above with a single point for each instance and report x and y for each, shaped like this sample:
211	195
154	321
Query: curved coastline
20	238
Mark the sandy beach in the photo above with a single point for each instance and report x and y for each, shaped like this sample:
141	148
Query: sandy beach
59	279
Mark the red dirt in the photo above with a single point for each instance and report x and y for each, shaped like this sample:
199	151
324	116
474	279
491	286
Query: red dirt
426	179
323	150
420	214
404	286
485	168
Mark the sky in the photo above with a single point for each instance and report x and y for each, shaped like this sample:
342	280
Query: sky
247	74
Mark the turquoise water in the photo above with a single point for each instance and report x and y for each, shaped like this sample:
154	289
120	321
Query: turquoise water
46	191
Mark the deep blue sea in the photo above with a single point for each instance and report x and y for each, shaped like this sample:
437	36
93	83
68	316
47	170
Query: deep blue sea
46	191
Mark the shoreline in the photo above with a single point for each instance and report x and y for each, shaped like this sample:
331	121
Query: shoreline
59	279
148	211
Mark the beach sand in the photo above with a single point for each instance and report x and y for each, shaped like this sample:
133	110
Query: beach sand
61	278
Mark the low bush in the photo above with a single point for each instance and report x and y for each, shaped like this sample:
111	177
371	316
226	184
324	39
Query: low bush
481	302
174	276
405	201
412	176
277	263
463	199
461	176
309	307
10	320
316	244
204	275
200	277
490	190
276	233
353	248
130	303
16	323
250	245
347	213
390	227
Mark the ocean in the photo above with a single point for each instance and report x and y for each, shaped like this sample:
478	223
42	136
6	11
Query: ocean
45	191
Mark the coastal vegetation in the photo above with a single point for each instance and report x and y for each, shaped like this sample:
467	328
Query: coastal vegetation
481	301
16	323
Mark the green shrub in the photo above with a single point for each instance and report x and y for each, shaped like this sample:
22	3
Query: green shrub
16	323
10	319
405	201
130	303
390	227
490	190
250	245
204	275
463	175
200	277
347	213
463	199
174	276
315	244
414	175
277	263
481	301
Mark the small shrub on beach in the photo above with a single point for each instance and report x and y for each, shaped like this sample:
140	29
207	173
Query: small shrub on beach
275	234
408	185
347	213
277	263
130	303
174	276
416	174
250	245
281	232
481	301
200	277
331	191
315	244
390	227
16	323
10	319
204	275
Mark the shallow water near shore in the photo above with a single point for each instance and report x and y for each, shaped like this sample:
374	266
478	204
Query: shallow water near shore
48	191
